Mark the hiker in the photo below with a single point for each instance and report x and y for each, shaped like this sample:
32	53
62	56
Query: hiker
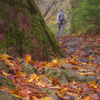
61	20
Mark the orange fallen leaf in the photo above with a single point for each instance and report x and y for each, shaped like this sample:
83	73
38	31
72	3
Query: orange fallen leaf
27	57
34	77
55	61
87	98
4	56
55	82
27	98
58	93
45	98
8	63
35	98
4	73
93	84
63	67
1	87
73	62
86	73
12	91
76	67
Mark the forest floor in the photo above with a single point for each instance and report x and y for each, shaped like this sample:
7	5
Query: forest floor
82	61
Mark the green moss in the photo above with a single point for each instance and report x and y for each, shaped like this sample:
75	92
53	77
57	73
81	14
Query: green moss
39	30
4	67
7	96
3	11
4	81
14	37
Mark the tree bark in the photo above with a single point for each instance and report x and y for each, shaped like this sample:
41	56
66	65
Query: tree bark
23	30
74	4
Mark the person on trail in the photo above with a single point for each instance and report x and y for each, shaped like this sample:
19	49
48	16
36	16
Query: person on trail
61	20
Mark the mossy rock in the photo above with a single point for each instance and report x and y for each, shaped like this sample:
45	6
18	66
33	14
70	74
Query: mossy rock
85	60
90	79
27	68
89	47
68	66
55	97
72	76
57	73
7	96
4	67
70	97
4	81
48	91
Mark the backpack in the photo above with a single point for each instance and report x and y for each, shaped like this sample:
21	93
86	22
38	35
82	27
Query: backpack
61	17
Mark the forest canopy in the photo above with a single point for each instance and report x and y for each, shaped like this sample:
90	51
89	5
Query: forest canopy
86	16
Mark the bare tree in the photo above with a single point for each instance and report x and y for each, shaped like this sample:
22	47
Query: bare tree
51	8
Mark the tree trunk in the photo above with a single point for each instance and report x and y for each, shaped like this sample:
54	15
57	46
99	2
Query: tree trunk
74	4
23	30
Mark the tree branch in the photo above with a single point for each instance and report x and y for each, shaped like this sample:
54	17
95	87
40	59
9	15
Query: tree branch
47	11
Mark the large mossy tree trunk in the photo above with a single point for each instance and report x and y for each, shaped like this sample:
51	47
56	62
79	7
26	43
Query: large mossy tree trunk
23	30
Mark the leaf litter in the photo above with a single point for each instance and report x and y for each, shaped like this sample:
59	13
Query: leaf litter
29	87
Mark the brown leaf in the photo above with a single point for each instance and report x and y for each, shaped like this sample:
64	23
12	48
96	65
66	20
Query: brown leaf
55	82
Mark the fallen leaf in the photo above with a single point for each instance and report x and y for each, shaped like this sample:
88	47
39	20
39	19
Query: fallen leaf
55	61
92	83
87	98
27	98
4	73
55	82
45	98
17	96
27	57
31	80
4	56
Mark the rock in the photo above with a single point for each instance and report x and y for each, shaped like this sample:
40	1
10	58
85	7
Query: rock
90	78
4	81
40	71
72	76
70	97
59	98
85	53
68	66
83	70
98	45
97	59
4	67
7	96
57	73
99	82
27	68
85	60
71	44
64	46
48	91
54	96
89	47
98	94
73	49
